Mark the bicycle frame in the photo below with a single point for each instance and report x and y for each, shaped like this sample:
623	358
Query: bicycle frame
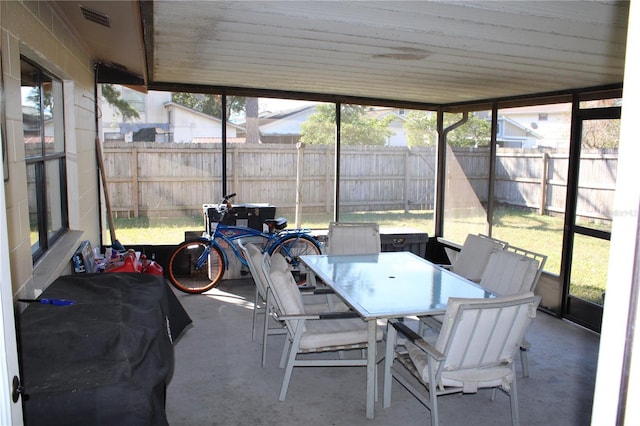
221	233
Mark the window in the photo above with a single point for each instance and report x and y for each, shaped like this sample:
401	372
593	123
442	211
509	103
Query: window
43	131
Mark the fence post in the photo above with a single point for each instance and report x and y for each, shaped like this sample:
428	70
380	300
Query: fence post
405	191
327	181
235	159
299	178
543	183
134	182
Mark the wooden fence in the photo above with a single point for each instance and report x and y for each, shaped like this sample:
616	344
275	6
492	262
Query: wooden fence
170	179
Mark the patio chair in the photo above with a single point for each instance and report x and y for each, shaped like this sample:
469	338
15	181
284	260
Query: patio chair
514	271
308	332
540	258
263	296
470	263
353	238
508	273
473	257
475	349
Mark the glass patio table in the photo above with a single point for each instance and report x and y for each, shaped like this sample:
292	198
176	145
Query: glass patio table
389	285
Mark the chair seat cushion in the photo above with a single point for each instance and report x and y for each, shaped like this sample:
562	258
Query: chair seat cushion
469	380
339	333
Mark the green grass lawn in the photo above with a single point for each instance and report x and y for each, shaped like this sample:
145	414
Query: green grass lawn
523	229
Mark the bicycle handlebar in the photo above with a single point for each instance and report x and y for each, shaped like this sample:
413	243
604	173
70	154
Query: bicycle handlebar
225	205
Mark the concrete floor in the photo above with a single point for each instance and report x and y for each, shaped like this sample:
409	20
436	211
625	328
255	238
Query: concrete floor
218	379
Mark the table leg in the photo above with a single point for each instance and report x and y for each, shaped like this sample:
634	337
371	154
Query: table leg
388	361
371	367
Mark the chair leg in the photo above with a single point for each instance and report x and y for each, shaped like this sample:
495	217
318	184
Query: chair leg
433	393
513	397
255	314
265	334
292	360
285	351
524	359
287	376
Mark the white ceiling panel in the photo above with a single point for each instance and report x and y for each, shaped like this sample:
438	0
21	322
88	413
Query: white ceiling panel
419	51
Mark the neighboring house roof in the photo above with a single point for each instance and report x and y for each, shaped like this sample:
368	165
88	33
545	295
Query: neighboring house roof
278	115
383	112
217	140
536	109
528	131
285	122
168	105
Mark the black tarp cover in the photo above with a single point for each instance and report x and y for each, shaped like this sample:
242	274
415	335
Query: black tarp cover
105	360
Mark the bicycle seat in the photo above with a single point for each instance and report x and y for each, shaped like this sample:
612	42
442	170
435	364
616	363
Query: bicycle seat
277	223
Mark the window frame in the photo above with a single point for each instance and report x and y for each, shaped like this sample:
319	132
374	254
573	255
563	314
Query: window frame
43	160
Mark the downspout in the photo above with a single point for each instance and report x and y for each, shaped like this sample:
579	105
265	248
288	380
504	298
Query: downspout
441	169
336	172
224	143
95	116
492	167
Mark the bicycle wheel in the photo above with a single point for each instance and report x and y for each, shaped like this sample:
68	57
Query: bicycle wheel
184	273
292	248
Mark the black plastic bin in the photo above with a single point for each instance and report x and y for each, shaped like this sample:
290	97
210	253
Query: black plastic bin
249	215
398	241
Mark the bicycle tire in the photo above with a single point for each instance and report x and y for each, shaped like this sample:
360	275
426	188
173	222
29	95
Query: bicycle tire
186	277
297	245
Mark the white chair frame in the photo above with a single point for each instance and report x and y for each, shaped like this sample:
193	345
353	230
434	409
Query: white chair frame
464	349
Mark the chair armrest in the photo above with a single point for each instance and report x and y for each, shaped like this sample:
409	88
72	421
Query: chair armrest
417	340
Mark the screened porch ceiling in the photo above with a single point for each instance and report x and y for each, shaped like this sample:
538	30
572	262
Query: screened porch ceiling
433	52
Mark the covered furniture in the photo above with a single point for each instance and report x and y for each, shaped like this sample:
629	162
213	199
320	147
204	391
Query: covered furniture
104	360
475	349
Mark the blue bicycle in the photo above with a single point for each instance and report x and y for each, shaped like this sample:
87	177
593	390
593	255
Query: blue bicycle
199	265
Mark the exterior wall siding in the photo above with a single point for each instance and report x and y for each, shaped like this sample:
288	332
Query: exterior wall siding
34	30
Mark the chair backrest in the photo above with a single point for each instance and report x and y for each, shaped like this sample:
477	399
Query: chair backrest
278	262
473	258
353	238
481	333
541	258
287	295
509	273
254	259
